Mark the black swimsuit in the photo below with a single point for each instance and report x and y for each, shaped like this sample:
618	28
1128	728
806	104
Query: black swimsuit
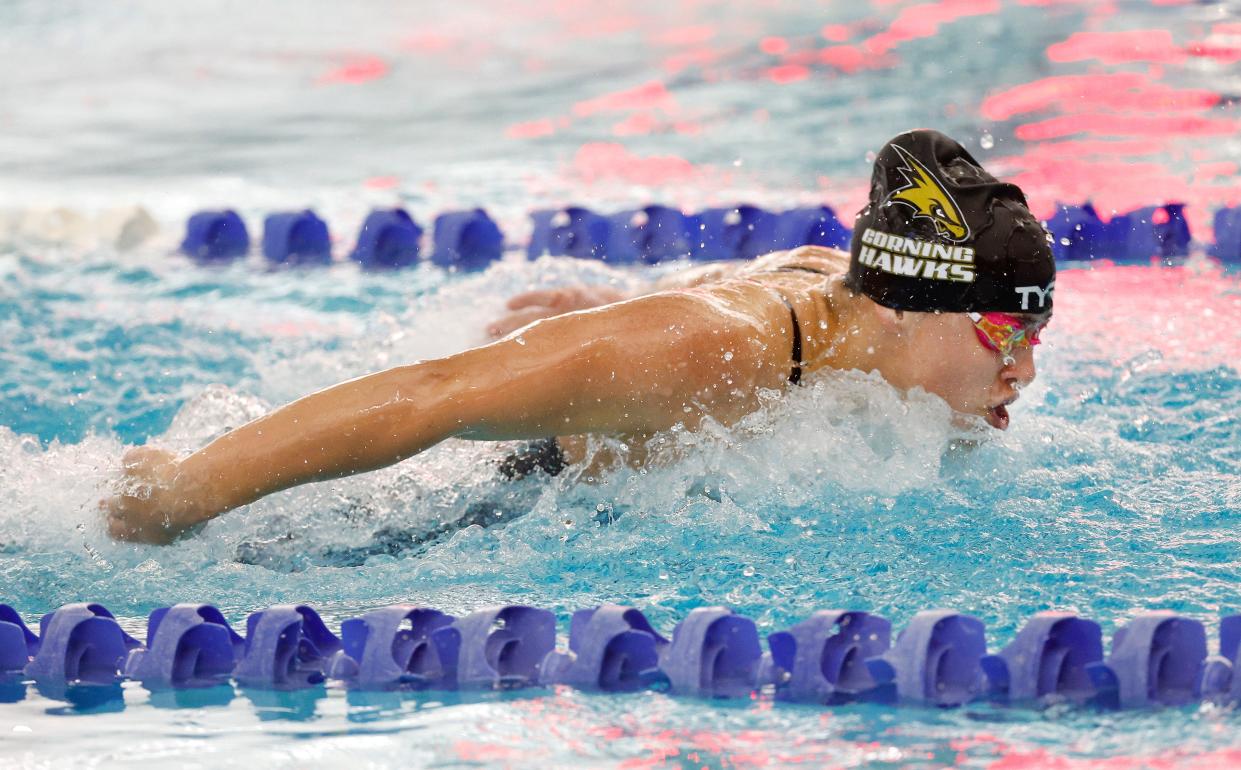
795	374
546	455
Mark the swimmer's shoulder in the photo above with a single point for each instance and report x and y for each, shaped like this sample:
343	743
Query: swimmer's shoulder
801	271
810	259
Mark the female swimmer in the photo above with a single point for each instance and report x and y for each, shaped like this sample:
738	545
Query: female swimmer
947	283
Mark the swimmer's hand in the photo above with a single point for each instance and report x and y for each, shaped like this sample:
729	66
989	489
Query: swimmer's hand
532	306
151	504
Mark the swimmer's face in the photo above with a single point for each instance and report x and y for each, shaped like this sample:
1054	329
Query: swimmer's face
943	356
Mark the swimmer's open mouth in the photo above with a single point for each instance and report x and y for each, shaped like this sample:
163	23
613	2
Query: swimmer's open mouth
997	417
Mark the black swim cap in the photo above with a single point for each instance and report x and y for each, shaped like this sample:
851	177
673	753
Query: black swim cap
940	233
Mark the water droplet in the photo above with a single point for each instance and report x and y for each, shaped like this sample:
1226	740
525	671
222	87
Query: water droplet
738	162
748	571
1065	242
986	141
870	157
728	356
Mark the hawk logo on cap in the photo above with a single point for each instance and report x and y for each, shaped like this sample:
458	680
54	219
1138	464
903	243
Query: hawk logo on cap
929	199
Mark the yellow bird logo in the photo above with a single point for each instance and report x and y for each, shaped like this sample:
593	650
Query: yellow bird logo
929	200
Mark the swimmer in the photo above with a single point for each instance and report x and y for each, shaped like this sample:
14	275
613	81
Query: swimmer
948	281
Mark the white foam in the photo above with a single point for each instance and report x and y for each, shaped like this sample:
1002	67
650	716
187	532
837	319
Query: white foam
846	431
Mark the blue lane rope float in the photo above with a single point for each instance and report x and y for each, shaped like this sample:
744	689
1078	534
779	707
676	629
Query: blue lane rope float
1153	231
740	232
713	653
1158	659
1079	233
649	235
575	231
1222	674
1052	655
18	644
389	238
286	647
397	646
471	239
188	645
467	240
812	226
940	658
611	648
1227	226
823	658
80	643
502	647
937	660
296	238
216	236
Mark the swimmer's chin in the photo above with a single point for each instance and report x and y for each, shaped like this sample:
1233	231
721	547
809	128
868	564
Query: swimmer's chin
978	427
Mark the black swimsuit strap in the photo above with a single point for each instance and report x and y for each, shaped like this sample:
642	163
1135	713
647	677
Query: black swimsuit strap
795	374
803	269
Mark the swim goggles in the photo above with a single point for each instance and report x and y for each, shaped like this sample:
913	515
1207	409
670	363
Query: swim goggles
1004	333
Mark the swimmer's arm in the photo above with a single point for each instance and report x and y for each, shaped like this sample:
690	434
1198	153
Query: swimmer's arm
530	306
536	304
634	366
711	272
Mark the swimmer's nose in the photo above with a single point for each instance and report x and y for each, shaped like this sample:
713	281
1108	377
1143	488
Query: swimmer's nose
1021	371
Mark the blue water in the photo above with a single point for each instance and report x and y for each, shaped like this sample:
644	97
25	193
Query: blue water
1116	490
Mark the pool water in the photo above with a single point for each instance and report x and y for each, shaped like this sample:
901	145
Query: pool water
1117	488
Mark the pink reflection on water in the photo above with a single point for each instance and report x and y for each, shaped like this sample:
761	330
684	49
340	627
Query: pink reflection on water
1120	124
1189	315
1116	178
1086	93
924	20
1043	759
1150	45
361	69
1143	45
603	160
531	129
647	96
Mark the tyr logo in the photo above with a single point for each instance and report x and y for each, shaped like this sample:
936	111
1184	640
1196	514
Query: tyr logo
1043	294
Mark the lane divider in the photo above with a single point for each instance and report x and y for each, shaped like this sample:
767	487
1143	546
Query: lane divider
471	239
1160	658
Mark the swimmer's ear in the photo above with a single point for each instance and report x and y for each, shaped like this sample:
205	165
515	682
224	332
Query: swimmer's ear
891	321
